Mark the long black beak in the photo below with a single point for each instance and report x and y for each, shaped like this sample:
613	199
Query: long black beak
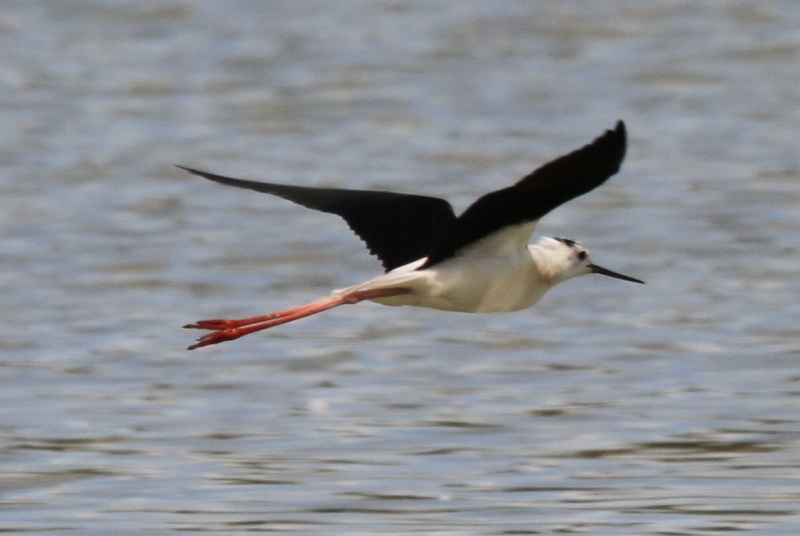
604	271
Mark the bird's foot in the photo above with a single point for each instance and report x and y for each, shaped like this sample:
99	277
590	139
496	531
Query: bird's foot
214	324
216	337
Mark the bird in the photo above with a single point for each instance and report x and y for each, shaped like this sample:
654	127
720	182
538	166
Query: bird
479	261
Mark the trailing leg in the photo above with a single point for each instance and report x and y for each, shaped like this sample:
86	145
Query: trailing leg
229	329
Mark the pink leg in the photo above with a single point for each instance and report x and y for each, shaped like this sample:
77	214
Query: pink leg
229	323
225	329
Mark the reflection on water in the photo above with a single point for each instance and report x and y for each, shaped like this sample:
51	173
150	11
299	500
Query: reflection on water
664	409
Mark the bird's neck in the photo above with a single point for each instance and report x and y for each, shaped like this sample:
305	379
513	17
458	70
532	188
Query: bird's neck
548	269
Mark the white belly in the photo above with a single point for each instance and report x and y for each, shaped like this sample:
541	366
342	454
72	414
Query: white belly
484	287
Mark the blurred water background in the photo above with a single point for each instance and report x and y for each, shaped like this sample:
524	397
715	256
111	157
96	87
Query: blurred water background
609	408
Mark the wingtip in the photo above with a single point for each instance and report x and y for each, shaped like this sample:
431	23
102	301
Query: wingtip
620	137
619	128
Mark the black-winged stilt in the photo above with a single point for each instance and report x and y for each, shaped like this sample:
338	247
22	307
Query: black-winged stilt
477	262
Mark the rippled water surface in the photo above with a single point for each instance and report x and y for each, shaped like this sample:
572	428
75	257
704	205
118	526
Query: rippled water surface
609	408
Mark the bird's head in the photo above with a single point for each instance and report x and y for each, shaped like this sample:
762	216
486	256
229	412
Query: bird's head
568	258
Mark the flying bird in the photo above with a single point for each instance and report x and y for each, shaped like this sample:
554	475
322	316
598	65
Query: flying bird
477	262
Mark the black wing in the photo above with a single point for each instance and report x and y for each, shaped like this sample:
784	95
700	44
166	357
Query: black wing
546	188
397	228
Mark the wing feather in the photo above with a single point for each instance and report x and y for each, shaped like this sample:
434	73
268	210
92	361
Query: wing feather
397	228
536	194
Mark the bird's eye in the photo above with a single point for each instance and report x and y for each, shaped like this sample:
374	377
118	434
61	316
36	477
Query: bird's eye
582	255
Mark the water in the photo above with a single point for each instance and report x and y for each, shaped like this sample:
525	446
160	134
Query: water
608	408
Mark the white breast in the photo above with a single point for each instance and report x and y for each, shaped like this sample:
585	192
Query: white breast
496	274
492	285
